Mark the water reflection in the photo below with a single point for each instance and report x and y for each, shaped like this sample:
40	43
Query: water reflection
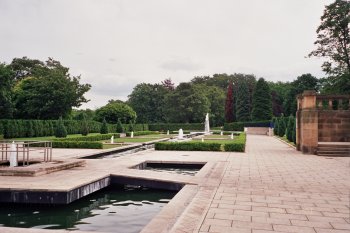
109	210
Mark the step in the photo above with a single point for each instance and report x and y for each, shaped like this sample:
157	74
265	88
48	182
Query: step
334	155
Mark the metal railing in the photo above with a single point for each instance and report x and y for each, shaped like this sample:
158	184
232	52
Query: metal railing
24	148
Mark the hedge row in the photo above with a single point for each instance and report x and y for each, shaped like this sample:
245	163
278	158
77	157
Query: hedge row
40	128
91	138
227	133
77	144
188	146
176	126
140	133
238	144
239	126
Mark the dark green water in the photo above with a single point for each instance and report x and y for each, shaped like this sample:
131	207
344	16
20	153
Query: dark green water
114	209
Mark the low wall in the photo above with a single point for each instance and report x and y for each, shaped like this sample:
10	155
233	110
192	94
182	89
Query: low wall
257	130
334	126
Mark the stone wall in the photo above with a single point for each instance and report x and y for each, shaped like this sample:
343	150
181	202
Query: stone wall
334	126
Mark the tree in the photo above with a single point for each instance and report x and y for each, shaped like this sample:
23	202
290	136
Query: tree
229	114
290	128
131	126
302	83
275	125
115	110
48	92
187	104
168	84
333	38
281	127
120	128
242	102
61	131
84	127
104	127
6	83
262	105
148	102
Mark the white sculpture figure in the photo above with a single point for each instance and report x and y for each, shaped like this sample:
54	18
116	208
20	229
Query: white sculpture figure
13	155
132	134
206	126
221	133
112	139
202	139
231	136
181	134
167	132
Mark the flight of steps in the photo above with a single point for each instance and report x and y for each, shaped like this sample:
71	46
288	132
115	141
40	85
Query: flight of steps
334	149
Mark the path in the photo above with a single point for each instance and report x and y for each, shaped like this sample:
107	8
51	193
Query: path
273	188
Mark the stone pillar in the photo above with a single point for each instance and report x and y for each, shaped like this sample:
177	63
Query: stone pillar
307	123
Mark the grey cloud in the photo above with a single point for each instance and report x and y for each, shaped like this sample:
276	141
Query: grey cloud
180	65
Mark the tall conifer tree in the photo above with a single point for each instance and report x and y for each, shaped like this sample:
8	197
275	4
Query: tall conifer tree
262	104
229	114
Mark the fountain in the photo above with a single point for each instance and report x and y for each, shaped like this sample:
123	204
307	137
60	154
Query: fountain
167	132
112	139
132	134
206	126
181	134
13	155
202	139
221	133
231	136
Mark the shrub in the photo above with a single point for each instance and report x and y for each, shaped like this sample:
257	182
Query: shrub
77	144
237	145
61	131
227	133
281	127
104	127
239	126
98	137
84	127
289	130
275	126
131	126
175	126
120	128
188	146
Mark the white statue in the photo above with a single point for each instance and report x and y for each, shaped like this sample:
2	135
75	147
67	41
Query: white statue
206	126
13	155
231	136
112	139
221	133
202	139
167	132
181	134
132	134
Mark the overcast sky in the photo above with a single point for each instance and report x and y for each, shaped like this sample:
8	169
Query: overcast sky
115	44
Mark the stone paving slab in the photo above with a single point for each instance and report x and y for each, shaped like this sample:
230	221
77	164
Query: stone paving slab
270	188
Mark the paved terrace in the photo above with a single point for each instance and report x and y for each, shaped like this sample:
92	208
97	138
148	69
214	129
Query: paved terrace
270	188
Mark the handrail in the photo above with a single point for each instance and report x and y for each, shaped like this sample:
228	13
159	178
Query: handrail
25	147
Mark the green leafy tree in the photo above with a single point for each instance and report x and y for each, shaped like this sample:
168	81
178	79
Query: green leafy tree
147	100
242	102
333	38
115	110
104	127
120	128
6	82
262	104
48	92
302	83
186	104
61	131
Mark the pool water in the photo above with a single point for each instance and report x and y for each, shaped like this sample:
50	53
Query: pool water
112	209
182	169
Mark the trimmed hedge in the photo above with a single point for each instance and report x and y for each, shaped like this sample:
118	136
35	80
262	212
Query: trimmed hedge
176	126
239	126
41	128
188	146
91	138
140	133
77	144
238	144
227	133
